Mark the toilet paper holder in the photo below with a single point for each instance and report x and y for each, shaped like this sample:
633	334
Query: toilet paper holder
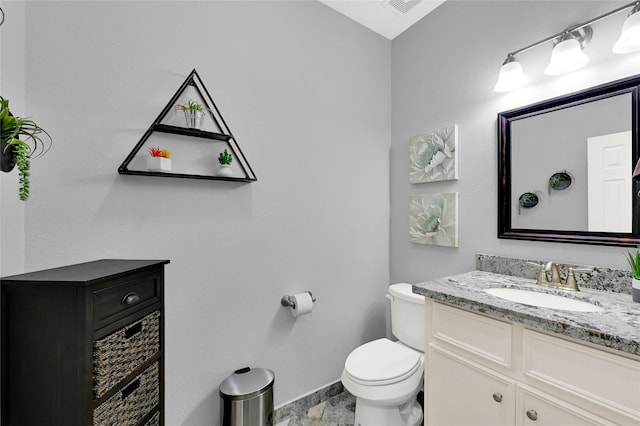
288	300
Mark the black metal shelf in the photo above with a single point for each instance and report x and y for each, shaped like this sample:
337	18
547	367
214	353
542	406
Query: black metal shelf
224	135
176	130
183	175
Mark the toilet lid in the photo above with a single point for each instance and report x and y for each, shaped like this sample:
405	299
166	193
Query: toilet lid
382	361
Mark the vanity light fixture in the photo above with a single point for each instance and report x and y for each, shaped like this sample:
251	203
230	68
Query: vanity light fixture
567	54
629	40
511	76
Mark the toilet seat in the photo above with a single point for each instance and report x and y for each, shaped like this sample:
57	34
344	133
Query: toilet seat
382	362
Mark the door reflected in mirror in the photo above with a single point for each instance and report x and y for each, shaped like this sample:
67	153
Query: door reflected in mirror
609	185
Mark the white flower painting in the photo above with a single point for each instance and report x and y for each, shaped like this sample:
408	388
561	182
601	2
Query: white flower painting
433	219
434	157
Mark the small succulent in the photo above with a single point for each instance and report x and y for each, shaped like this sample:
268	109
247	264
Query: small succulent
225	157
192	105
157	152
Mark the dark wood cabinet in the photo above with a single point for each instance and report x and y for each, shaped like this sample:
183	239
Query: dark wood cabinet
84	345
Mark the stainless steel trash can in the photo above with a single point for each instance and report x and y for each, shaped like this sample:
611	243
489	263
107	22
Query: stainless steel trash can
246	398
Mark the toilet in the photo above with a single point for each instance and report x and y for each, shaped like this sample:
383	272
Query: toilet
385	376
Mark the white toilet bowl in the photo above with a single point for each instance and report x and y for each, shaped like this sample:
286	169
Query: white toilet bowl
385	377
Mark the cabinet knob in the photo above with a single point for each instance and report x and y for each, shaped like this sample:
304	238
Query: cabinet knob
130	298
532	415
497	397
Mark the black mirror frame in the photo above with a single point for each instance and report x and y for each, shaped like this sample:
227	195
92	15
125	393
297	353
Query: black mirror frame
618	87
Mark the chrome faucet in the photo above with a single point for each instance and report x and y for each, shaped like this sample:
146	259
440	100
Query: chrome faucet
552	267
549	276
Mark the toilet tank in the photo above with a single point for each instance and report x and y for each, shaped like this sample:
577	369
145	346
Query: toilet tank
407	315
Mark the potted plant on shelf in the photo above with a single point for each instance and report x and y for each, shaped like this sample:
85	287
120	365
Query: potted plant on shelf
160	160
16	152
634	263
193	113
225	158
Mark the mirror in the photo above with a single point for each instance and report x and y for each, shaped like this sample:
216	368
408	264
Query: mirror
565	167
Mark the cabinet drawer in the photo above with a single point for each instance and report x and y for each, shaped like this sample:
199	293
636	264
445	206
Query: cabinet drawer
117	301
559	364
535	408
489	342
132	403
120	353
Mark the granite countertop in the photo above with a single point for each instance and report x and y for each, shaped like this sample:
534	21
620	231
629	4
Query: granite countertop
616	327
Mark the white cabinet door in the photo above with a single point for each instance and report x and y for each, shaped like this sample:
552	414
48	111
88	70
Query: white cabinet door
462	393
535	408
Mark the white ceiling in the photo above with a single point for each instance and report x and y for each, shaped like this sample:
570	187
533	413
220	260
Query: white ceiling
384	16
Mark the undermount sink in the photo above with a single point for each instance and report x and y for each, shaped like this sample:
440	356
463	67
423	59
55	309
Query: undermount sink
543	300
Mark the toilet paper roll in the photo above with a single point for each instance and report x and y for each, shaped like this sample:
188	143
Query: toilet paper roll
304	304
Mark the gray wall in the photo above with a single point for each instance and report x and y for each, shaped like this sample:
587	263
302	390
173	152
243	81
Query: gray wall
444	69
12	87
306	93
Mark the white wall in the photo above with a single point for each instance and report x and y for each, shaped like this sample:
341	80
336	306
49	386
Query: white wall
306	93
444	69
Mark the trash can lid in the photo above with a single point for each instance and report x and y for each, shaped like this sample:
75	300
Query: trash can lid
246	383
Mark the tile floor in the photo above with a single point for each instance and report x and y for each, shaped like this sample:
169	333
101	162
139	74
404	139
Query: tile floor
338	410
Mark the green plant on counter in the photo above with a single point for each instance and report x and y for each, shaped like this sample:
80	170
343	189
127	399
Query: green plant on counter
634	263
225	157
11	130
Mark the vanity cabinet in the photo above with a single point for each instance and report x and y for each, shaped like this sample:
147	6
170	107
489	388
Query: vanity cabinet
464	392
83	345
484	371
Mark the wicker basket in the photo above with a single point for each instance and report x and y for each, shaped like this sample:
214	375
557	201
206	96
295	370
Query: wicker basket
118	354
128	406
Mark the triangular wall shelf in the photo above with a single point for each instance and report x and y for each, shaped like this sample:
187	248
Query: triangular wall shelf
190	157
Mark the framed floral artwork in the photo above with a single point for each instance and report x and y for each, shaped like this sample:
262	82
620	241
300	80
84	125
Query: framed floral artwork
434	157
433	219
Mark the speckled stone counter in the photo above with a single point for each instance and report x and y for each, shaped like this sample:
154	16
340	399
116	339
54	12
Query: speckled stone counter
617	327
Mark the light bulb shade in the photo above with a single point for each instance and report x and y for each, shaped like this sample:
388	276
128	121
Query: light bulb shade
511	77
629	40
566	56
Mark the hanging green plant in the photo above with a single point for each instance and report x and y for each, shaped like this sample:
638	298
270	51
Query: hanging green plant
559	181
527	201
17	152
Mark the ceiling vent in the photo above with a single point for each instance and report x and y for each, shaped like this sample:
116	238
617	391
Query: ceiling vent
400	6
